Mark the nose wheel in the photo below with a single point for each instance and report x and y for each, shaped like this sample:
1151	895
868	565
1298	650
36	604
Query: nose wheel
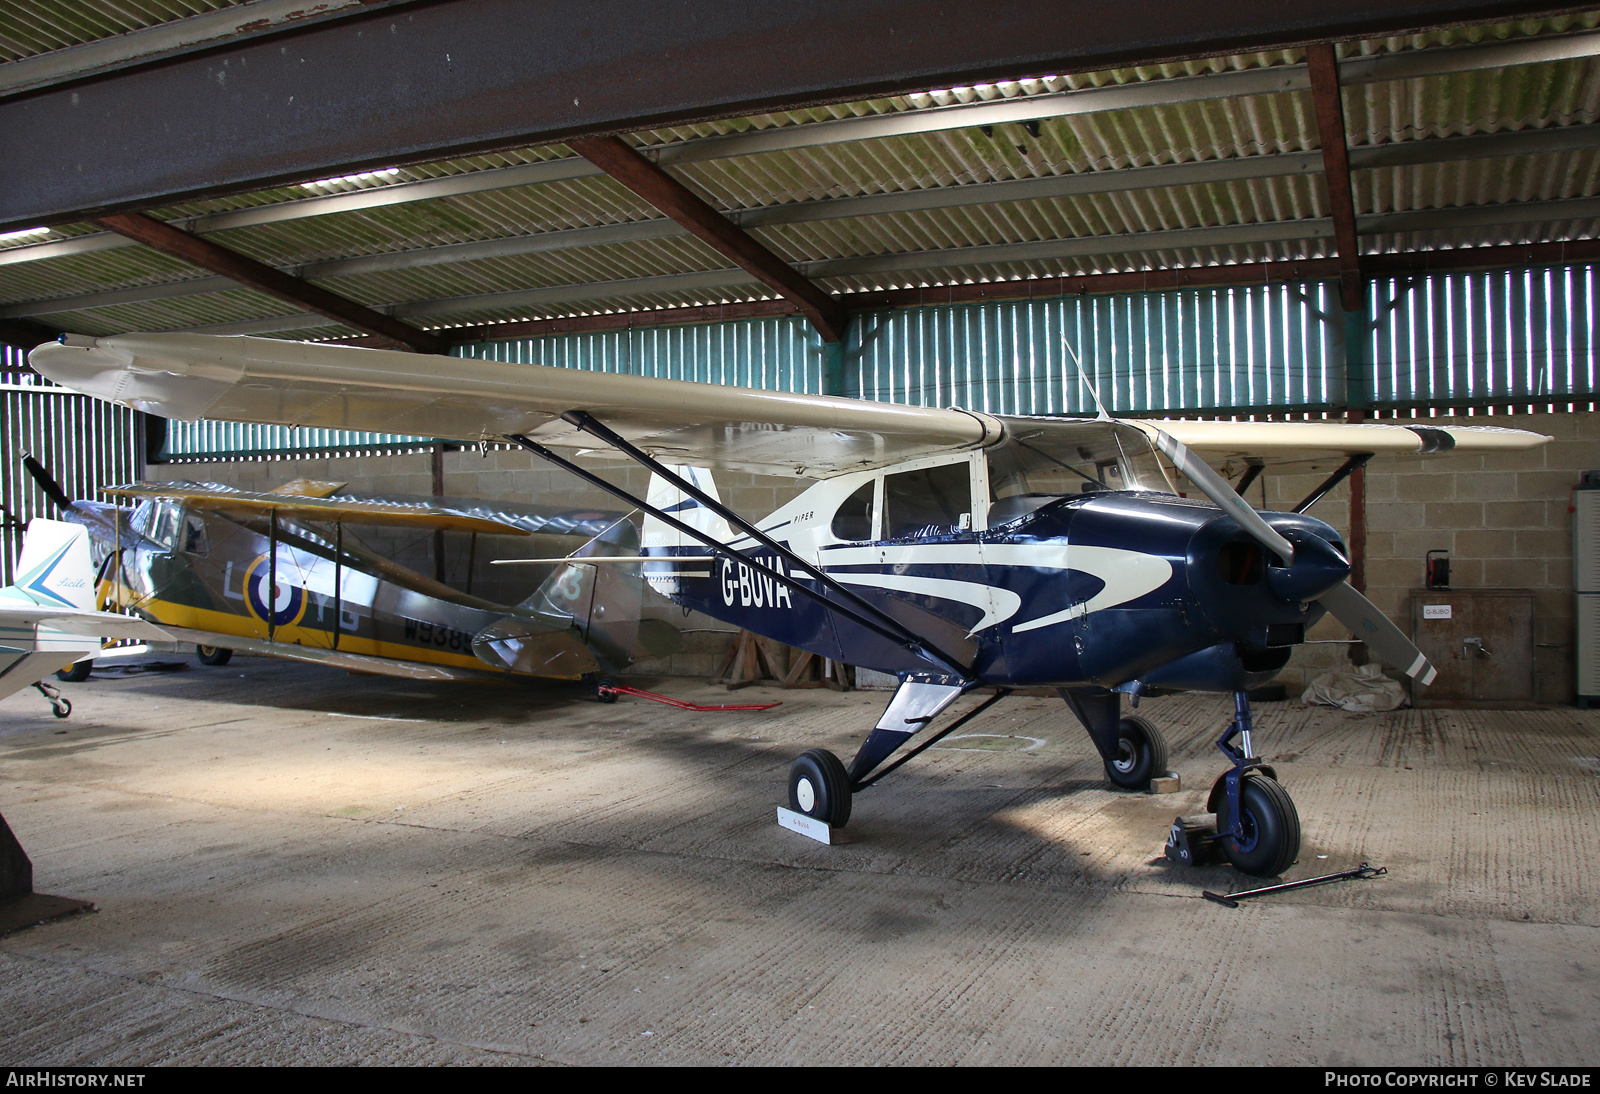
1266	841
1257	823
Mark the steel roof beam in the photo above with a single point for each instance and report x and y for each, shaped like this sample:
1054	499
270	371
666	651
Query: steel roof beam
1328	104
709	226
421	82
263	278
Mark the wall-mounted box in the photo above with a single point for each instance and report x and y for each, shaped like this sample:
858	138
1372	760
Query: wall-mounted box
1480	640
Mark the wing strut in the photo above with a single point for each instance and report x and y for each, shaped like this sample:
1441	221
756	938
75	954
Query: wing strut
1346	469
891	630
915	642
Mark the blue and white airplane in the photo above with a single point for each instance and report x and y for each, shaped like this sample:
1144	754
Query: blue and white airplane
48	618
955	549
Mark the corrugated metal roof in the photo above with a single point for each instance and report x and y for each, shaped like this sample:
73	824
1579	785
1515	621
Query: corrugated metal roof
44	25
1283	216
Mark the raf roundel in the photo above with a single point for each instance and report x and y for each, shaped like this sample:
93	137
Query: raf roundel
288	602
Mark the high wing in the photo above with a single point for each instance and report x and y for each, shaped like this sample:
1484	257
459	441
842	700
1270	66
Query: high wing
201	496
189	376
1300	442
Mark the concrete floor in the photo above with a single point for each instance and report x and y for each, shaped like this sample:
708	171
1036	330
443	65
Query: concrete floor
294	865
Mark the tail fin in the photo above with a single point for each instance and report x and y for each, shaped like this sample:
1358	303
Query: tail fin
667	498
604	600
55	570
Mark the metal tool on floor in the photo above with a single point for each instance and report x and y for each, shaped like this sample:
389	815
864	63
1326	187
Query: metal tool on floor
1231	900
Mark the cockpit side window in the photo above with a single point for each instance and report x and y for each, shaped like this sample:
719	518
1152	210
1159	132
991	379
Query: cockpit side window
140	520
194	535
163	524
931	501
853	521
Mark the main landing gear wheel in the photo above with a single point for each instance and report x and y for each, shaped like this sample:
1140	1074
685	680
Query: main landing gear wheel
1141	754
1271	828
75	673
819	787
213	655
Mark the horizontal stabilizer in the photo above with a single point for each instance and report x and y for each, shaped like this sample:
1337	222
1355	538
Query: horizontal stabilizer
90	624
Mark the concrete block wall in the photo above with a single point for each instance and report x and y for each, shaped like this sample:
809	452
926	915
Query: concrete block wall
1504	520
1507	523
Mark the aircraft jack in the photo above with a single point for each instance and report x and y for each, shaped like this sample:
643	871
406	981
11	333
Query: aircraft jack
1193	840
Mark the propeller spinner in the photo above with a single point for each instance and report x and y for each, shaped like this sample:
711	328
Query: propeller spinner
1303	569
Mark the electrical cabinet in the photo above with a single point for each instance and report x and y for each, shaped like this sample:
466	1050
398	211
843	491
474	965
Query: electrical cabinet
1481	643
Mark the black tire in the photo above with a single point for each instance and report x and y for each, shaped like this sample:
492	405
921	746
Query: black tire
213	655
75	673
819	787
1271	839
1141	754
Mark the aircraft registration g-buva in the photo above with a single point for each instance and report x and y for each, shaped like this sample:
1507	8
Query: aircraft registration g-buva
954	549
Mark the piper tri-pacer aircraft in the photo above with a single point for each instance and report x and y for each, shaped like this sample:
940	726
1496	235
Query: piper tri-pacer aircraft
954	549
277	574
47	616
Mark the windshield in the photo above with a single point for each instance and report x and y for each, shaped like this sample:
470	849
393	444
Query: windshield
1059	458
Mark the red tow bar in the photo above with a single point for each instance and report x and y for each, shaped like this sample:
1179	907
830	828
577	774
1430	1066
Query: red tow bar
681	704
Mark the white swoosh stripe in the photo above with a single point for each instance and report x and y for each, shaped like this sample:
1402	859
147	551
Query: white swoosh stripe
997	605
1128	575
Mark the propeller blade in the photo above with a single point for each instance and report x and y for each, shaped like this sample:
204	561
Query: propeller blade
1226	498
47	483
1381	636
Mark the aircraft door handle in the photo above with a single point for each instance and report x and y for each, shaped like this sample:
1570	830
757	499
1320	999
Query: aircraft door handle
1474	647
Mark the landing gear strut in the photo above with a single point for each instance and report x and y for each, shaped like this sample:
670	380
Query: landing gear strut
822	788
1257	824
58	706
1133	749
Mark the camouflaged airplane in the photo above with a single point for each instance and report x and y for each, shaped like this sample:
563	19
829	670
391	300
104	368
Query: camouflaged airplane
955	549
277	574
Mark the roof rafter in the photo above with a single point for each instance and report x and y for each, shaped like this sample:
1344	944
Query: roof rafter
676	200
1328	101
264	278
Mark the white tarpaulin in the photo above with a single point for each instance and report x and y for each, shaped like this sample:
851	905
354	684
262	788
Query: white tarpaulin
1364	690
